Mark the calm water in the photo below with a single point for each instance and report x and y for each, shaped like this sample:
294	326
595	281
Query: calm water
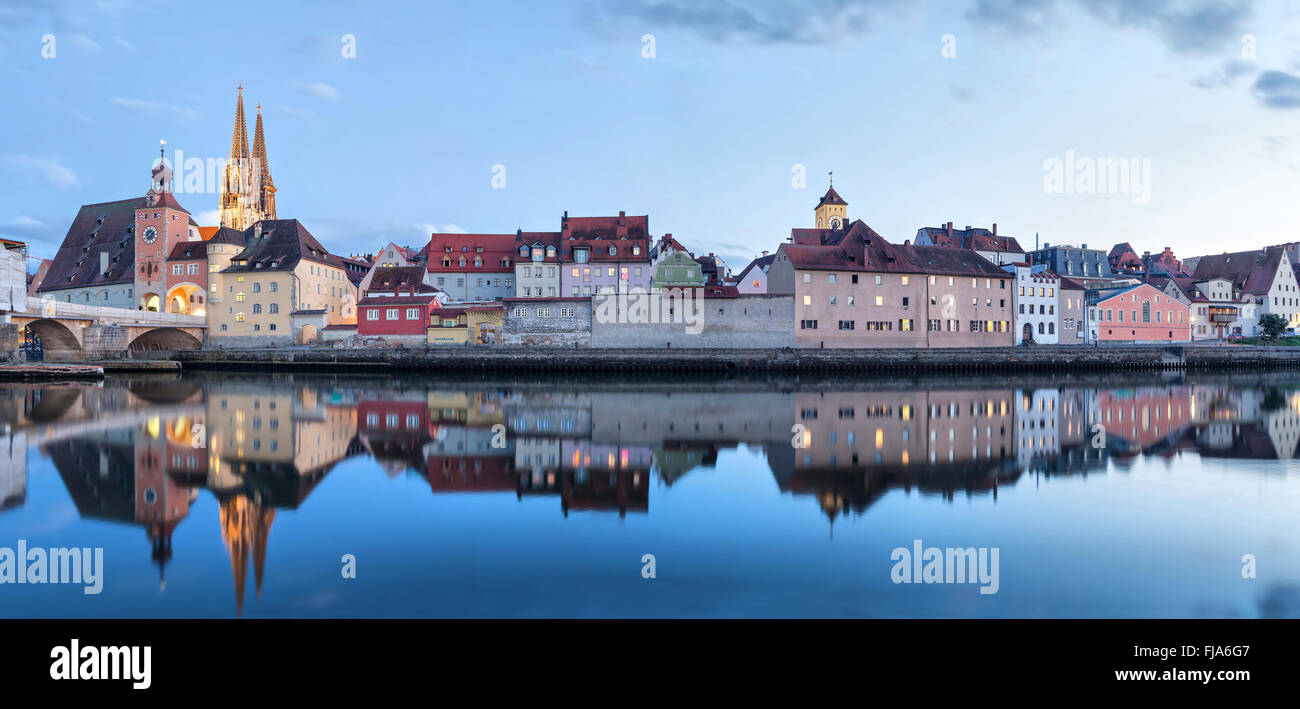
219	496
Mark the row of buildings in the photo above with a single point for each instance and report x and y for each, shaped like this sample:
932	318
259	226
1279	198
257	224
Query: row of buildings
607	281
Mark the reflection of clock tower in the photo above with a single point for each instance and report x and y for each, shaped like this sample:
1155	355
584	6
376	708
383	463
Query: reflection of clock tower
160	223
832	210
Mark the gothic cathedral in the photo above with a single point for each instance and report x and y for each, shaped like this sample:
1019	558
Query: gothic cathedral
247	192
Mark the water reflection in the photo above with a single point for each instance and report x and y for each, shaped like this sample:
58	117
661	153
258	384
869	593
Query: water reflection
141	451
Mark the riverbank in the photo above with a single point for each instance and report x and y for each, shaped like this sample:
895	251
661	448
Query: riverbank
783	361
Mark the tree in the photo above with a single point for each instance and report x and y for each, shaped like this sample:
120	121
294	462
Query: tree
1273	325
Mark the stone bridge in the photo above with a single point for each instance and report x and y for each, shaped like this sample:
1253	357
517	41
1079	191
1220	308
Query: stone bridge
72	331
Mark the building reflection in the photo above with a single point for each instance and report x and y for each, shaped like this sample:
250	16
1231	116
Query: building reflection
142	452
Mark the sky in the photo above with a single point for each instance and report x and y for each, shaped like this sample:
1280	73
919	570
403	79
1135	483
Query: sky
720	119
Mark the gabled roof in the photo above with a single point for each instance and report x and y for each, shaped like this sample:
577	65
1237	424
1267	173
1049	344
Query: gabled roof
831	197
860	248
282	244
107	227
762	263
541	239
491	249
188	251
400	279
1250	271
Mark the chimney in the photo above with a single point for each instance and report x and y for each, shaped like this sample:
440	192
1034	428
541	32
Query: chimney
103	263
1085	246
1031	259
764	252
621	217
995	228
257	230
949	227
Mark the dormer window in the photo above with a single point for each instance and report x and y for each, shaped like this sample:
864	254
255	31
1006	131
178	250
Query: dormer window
478	262
636	250
523	250
550	252
446	263
613	250
581	255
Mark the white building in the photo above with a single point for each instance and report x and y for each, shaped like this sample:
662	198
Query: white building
1036	298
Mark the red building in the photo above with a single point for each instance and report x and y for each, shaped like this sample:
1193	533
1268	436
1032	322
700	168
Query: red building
1138	313
401	316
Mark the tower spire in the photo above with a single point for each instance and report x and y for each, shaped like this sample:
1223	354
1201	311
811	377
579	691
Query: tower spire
262	170
259	149
239	141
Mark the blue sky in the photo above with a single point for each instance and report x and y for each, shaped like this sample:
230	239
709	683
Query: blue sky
704	137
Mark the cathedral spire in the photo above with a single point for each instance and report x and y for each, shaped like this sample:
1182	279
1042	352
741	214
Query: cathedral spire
239	141
259	149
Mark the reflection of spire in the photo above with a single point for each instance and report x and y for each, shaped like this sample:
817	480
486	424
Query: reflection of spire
160	534
245	529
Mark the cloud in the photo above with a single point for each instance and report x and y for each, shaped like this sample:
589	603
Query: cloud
318	89
1277	89
759	21
1227	75
439	229
1186	26
124	43
54	172
154	107
961	93
80	41
208	217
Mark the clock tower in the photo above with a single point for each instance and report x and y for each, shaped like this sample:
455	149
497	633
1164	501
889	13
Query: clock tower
832	210
160	222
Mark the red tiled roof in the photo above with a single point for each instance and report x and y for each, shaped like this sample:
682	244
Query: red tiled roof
538	238
491	249
398	300
861	249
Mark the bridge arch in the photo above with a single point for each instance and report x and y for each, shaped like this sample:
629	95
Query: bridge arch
164	338
57	341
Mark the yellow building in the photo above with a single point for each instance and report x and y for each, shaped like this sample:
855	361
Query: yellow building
282	288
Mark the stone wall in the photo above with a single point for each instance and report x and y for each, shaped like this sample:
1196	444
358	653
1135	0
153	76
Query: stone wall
539	322
101	339
219	342
746	322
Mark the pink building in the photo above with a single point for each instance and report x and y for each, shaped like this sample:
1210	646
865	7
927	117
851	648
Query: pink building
1138	313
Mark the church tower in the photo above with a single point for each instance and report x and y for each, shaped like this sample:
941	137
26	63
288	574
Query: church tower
247	193
832	210
264	202
160	223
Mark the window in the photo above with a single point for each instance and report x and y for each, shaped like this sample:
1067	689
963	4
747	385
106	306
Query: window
275	308
257	308
391	314
257	287
177	269
239	317
846	324
372	313
239	297
275	287
192	269
520	312
412	313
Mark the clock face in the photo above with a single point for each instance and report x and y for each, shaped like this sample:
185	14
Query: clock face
835	222
150	235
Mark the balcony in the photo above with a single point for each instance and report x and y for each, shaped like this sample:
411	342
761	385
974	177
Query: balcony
1223	315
